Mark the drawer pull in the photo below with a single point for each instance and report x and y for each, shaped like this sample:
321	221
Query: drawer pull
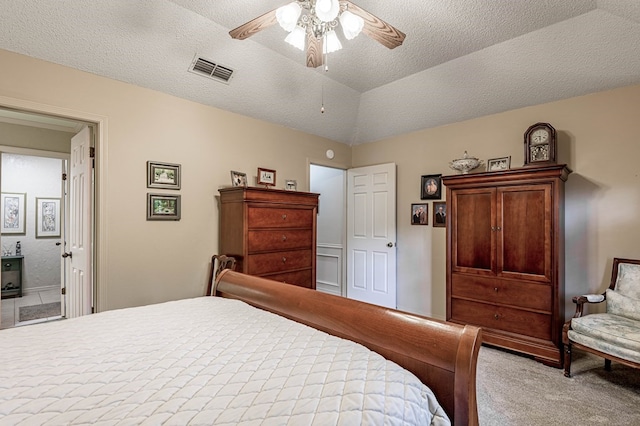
284	259
284	238
496	316
284	217
495	289
7	265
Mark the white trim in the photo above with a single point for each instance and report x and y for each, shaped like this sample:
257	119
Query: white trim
101	171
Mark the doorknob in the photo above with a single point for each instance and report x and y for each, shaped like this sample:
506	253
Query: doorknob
65	255
389	244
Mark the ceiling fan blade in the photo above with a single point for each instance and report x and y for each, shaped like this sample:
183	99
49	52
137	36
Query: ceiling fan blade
376	28
250	28
314	51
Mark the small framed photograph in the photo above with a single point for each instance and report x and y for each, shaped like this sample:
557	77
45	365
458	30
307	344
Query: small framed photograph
163	207
430	187
163	175
290	185
496	164
13	212
238	178
47	217
439	214
266	177
419	214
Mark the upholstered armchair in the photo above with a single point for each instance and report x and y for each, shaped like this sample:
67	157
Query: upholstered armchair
614	335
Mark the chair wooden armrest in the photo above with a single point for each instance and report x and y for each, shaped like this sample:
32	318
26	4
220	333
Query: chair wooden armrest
581	300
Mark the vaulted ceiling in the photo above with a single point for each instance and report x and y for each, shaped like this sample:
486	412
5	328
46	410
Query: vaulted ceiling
460	60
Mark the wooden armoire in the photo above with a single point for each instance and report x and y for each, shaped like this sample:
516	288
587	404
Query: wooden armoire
270	232
505	257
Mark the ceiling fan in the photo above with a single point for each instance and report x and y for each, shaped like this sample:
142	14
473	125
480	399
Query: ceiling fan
312	23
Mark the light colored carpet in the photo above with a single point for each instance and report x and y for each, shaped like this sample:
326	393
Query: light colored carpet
516	390
46	310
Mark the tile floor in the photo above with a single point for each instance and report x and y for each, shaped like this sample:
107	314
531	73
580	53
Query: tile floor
11	306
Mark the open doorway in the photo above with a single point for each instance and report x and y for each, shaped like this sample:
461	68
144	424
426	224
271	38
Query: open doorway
330	183
32	223
31	138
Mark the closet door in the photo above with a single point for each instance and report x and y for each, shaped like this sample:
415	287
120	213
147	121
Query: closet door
473	231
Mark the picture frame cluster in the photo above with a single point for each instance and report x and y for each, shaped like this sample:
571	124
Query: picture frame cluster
264	176
163	206
430	189
13	218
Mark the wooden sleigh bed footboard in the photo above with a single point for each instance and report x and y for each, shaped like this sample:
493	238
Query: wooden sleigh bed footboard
442	355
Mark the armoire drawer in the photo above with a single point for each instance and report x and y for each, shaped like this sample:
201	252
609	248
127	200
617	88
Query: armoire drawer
265	217
282	239
281	261
502	318
300	278
496	290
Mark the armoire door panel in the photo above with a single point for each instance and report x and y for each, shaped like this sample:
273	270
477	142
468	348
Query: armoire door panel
473	232
524	219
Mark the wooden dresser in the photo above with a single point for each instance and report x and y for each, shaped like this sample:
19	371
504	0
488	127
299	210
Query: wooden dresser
505	257
271	233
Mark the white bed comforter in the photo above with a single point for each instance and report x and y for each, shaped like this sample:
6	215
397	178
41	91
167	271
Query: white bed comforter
200	361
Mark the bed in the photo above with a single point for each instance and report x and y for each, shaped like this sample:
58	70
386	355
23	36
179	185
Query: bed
219	360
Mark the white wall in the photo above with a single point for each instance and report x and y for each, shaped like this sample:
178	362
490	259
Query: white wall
38	177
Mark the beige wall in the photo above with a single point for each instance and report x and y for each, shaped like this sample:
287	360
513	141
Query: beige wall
151	261
597	138
155	261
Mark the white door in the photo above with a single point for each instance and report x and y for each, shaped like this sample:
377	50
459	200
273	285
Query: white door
78	245
371	234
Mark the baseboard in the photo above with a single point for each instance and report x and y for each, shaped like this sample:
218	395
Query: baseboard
26	291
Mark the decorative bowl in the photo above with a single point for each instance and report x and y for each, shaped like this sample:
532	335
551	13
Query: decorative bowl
465	164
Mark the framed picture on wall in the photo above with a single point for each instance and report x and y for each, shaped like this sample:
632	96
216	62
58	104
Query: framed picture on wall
47	217
163	175
163	207
440	214
419	214
430	187
13	212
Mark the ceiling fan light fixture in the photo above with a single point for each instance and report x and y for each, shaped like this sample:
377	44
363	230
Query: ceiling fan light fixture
331	42
327	10
351	24
297	37
288	16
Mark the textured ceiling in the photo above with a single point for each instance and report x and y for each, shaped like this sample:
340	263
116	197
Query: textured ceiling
460	60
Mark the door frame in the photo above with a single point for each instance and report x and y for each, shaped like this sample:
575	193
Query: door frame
100	240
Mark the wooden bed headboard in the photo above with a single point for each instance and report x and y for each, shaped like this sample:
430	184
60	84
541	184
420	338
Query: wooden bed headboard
442	355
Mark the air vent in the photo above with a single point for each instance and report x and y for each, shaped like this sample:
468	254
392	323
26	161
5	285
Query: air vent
211	70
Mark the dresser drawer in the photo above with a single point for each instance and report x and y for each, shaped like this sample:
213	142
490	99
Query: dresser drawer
264	217
299	278
508	292
281	261
502	318
283	239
